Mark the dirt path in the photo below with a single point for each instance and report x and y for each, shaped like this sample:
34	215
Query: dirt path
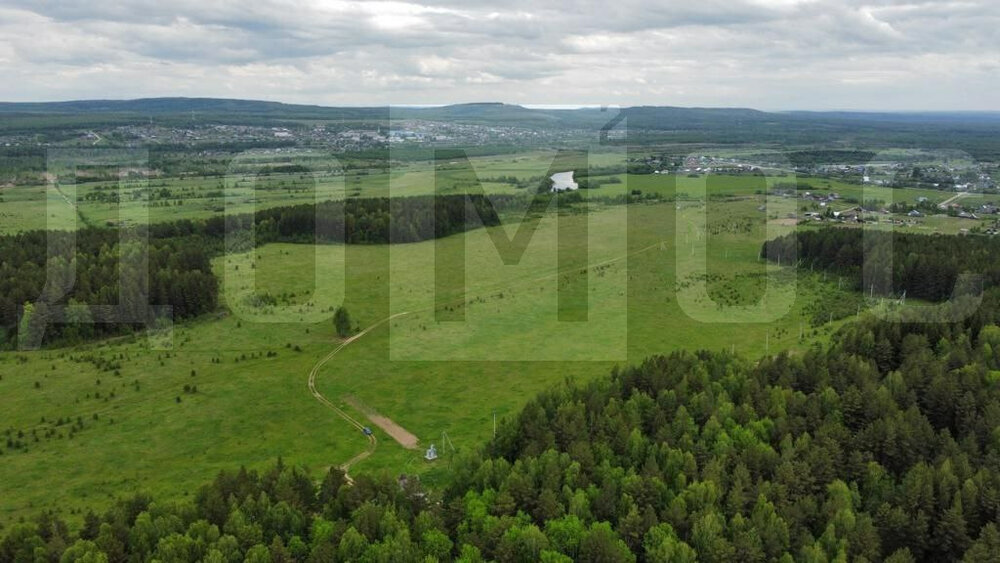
397	432
944	204
372	441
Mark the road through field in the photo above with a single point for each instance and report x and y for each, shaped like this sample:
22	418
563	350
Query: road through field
372	441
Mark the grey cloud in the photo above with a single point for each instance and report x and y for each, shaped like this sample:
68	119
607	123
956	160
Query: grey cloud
712	52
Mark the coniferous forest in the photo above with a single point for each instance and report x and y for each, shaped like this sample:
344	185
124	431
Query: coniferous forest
93	283
881	263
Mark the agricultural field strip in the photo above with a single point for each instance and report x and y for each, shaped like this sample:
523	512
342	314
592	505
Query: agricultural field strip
318	419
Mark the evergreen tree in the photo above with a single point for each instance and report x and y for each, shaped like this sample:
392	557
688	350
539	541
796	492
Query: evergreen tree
342	322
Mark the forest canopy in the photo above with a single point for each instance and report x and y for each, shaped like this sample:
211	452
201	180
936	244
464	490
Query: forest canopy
888	263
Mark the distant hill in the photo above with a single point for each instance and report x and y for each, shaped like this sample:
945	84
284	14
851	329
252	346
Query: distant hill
975	132
79	113
486	111
970	117
161	106
648	116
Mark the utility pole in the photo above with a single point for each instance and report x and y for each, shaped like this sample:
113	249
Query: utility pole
445	439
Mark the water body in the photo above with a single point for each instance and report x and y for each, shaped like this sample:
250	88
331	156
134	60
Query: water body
563	181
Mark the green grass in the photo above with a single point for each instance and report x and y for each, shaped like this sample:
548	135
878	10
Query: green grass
196	197
239	415
751	185
23	208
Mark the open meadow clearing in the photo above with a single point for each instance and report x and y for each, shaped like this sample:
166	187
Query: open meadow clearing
232	388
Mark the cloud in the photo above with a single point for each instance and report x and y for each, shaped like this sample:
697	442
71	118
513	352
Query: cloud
772	54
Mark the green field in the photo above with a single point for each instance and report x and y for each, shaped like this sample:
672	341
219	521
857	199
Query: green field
24	208
156	199
429	376
750	185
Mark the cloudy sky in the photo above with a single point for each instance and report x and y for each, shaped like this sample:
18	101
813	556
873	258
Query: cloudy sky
767	54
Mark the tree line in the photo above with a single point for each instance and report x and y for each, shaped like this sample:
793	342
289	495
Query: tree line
882	263
91	284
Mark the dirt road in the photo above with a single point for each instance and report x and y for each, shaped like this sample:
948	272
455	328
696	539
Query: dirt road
389	426
944	204
372	441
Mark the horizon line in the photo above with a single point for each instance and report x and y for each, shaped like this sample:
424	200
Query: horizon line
528	105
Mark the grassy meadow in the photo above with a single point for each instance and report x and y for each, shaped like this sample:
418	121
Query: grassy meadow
85	423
